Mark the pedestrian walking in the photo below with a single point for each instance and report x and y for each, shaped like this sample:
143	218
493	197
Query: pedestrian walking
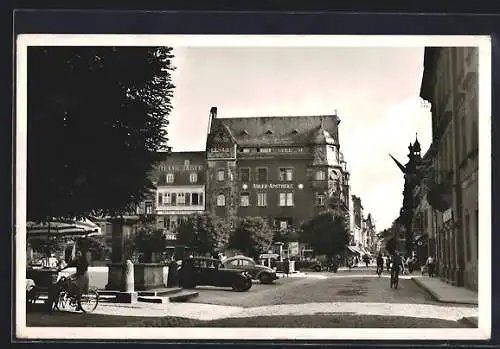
430	266
388	263
286	266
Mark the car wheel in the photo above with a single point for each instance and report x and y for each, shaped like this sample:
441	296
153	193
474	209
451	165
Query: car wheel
242	285
265	278
317	268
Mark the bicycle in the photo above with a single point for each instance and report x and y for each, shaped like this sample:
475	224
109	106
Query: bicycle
66	298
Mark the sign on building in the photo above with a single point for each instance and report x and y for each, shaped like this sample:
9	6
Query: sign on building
447	215
294	248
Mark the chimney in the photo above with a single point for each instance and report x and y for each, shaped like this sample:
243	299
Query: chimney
212	115
213	112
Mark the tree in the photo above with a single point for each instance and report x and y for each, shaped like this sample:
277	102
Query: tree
204	233
149	241
97	120
327	233
252	236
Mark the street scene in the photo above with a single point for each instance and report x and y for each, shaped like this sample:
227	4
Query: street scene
234	187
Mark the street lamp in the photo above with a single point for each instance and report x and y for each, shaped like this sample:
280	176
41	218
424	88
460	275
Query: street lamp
245	187
280	244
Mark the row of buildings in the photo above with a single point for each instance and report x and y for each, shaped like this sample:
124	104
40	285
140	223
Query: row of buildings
285	169
440	208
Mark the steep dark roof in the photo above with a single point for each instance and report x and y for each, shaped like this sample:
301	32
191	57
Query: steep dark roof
430	58
180	156
286	130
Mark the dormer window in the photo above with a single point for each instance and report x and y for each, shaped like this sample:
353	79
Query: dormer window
295	131
269	132
244	133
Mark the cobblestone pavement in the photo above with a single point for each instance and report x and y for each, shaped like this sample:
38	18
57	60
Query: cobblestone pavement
334	288
335	295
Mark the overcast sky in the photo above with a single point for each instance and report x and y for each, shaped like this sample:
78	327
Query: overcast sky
375	91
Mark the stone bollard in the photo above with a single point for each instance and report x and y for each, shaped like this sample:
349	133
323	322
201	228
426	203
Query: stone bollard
129	276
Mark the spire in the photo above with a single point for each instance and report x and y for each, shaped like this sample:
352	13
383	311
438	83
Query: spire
401	167
416	145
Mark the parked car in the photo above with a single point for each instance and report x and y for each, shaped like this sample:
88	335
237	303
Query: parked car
203	271
259	272
308	265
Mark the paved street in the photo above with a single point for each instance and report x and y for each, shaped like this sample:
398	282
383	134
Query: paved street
349	299
352	287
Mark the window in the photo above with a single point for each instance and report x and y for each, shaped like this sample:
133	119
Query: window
221	200
320	200
195	199
166	222
246	263
476	214
261	199
170	178
467	236
186	162
149	207
245	174
262	174
474	135
234	263
464	137
283	225
187	197
160	199
201	198
244	199
264	150
181	199
193	177
245	150
286	199
320	175
220	175
167	198
174	199
286	174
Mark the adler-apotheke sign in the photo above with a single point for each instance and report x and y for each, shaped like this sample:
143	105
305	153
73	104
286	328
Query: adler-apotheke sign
273	186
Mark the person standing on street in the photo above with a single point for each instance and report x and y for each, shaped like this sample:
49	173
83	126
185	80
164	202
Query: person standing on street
286	266
380	264
430	266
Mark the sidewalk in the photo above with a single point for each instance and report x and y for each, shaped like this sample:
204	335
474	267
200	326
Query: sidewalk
446	293
199	311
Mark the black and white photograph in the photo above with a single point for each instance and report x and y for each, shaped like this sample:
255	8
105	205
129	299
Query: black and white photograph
253	187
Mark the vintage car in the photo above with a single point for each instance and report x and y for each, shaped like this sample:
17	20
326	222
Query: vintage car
203	271
259	272
314	265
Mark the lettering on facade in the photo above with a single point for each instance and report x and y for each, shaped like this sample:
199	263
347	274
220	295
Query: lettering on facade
183	168
447	215
273	186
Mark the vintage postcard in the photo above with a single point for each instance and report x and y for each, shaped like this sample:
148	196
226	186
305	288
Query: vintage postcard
253	187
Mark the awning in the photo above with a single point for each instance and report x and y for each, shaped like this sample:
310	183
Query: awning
353	249
63	228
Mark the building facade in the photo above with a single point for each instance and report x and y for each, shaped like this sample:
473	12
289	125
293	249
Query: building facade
357	221
285	169
370	234
450	84
180	189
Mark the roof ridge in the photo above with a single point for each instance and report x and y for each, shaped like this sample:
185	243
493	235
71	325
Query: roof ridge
279	116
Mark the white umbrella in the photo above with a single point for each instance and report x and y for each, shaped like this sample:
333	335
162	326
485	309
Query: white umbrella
63	228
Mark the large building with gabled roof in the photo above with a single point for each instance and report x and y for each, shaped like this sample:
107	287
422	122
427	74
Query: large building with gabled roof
285	169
